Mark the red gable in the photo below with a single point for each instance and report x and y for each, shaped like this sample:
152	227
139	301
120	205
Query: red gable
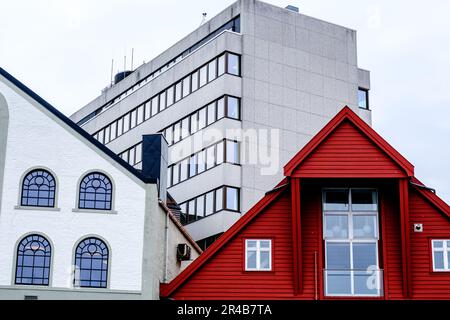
348	147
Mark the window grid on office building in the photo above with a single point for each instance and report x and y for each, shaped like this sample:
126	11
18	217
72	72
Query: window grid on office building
203	160
171	95
222	198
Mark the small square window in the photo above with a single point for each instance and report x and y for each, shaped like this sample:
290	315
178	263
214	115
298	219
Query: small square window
258	255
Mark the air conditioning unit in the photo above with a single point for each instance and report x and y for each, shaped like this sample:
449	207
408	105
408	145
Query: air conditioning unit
183	252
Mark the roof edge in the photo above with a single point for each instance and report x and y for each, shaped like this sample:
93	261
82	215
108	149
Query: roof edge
180	227
76	128
169	288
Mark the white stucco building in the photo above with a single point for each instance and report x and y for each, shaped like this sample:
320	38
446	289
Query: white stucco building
76	221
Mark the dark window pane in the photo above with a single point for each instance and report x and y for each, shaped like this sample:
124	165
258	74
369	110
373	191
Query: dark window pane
364	200
336	200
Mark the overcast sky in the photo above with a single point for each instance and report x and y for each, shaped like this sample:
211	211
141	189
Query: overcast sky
62	49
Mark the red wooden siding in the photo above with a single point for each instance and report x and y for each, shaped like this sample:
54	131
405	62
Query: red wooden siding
312	241
348	153
390	241
427	284
223	276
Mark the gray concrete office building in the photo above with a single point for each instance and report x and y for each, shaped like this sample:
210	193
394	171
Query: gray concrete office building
236	97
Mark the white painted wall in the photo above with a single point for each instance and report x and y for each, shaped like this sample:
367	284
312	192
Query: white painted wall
37	138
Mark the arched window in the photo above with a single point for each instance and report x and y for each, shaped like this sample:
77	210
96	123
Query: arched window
91	263
38	189
33	261
95	192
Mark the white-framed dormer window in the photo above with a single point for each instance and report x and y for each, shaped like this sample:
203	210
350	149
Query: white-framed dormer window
258	255
441	255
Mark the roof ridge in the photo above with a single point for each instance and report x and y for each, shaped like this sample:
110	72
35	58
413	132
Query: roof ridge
169	288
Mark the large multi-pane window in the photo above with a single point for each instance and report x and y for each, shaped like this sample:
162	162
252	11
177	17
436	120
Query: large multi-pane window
38	189
350	233
33	261
91	264
222	198
232	25
205	159
174	93
224	107
95	192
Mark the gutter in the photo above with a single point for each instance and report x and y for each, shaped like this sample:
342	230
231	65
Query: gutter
423	187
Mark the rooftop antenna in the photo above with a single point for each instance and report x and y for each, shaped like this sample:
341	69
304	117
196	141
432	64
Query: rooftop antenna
112	71
204	14
132	56
124	62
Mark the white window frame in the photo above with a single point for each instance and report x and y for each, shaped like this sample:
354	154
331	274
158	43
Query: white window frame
351	240
258	250
445	249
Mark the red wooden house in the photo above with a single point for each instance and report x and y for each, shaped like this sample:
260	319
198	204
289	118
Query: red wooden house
349	220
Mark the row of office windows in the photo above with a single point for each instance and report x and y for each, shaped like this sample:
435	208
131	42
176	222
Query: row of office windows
199	162
39	190
133	155
233	25
224	107
33	262
225	63
222	198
